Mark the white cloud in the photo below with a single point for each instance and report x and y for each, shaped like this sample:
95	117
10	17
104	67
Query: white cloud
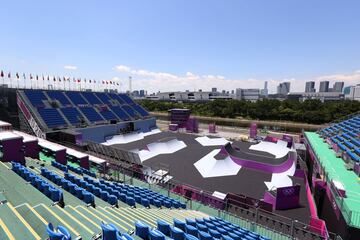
70	67
162	81
122	68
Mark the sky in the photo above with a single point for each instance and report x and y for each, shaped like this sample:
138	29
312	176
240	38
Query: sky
184	44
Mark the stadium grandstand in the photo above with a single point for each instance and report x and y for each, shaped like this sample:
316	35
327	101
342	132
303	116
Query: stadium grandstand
94	165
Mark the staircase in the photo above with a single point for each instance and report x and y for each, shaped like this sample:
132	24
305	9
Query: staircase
29	222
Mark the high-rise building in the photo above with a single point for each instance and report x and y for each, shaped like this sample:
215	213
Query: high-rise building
214	89
338	87
251	94
310	87
283	88
324	86
142	93
265	92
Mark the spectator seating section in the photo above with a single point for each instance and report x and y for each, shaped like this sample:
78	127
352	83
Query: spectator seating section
120	113
75	106
91	98
55	194
52	117
132	195
72	114
36	97
59	96
345	135
76	98
71	184
91	114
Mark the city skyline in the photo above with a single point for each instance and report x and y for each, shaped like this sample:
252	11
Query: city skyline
246	44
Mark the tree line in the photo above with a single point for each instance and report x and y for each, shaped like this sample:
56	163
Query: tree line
309	111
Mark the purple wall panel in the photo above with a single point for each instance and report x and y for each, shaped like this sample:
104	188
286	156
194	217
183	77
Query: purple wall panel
12	150
84	162
60	157
287	197
32	149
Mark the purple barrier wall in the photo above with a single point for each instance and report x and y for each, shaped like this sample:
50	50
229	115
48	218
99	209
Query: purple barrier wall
212	128
287	197
262	166
253	130
271	139
13	150
32	149
269	198
60	156
84	162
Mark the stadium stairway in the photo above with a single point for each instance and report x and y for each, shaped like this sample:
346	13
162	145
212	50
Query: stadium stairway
29	222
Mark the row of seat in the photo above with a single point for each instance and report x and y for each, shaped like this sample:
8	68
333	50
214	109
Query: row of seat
69	186
55	194
345	135
142	196
78	170
111	199
203	229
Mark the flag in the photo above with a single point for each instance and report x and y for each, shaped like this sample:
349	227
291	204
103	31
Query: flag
43	78
9	75
24	75
54	79
2	74
74	80
79	80
85	80
117	84
110	82
59	79
31	76
90	81
103	82
94	81
48	78
17	75
37	77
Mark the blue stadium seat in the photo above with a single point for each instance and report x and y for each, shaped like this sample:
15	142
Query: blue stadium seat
60	233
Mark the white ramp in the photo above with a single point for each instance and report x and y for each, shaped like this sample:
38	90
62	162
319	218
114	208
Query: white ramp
157	148
281	179
131	137
208	166
206	141
278	149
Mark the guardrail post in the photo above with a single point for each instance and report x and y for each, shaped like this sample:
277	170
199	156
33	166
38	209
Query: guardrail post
292	228
190	204
218	212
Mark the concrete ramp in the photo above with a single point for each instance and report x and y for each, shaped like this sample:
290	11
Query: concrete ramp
128	138
206	141
157	148
208	166
278	149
